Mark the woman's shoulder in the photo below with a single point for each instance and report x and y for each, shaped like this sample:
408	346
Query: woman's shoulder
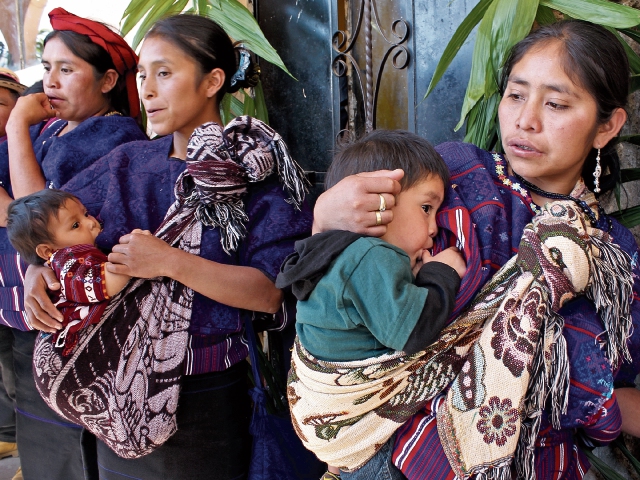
623	237
115	126
461	156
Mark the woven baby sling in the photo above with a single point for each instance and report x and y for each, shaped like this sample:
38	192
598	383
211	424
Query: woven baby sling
503	357
122	379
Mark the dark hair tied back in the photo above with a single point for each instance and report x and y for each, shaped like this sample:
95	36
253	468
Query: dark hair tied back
208	44
595	59
248	73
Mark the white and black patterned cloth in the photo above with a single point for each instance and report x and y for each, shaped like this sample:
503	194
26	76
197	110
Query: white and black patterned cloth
122	380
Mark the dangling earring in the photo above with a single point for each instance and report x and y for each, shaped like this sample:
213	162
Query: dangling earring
596	174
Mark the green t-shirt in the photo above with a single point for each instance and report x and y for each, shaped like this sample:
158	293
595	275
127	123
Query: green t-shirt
364	306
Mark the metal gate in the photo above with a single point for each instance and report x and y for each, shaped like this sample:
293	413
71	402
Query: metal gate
359	65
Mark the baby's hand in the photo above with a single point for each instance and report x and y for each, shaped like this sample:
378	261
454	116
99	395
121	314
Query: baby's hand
141	232
451	256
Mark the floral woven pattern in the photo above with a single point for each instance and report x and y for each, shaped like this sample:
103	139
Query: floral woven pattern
491	414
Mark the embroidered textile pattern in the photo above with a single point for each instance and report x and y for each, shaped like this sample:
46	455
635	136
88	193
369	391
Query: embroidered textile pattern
522	358
344	412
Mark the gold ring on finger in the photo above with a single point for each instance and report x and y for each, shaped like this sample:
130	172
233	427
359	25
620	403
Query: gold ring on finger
378	218
383	203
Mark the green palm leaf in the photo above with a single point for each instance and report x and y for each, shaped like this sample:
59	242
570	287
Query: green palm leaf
629	175
629	217
634	59
505	23
241	25
233	17
545	15
134	13
479	64
601	12
456	42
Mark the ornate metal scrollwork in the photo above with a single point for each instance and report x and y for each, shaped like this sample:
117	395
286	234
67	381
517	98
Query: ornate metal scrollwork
343	45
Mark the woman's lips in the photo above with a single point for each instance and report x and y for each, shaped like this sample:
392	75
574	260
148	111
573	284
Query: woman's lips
522	148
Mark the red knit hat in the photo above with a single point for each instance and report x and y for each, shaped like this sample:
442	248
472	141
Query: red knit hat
124	58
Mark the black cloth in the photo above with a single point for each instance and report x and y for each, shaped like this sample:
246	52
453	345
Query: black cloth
7	387
38	427
303	269
443	283
212	441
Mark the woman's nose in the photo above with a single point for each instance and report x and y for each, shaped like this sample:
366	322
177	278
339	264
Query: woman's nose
147	89
50	79
528	117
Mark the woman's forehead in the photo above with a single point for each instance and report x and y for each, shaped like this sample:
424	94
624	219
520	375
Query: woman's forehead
548	66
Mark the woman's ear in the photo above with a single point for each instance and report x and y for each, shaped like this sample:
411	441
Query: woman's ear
610	128
44	251
215	81
109	80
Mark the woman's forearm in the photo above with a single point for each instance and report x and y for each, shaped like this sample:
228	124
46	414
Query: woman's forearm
140	254
26	174
629	403
237	286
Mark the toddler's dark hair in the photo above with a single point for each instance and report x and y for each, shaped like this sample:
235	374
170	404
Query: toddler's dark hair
28	221
388	150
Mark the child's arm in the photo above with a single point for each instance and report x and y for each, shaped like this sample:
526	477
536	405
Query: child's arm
114	282
440	275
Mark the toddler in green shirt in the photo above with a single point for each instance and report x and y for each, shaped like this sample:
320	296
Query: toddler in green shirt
361	297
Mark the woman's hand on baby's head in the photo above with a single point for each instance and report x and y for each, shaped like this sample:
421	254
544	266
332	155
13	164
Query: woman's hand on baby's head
142	232
352	203
451	256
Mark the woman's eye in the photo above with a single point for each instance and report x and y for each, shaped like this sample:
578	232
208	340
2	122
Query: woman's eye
65	70
556	106
515	96
426	208
163	74
75	225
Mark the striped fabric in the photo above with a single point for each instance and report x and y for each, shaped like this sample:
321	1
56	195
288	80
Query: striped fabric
12	270
83	292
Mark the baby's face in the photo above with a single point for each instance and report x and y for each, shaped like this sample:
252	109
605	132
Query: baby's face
74	226
414	217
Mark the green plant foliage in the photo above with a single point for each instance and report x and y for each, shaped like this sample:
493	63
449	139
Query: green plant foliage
602	12
456	42
504	23
242	26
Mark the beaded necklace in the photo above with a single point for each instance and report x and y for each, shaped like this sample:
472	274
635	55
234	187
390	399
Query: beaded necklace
501	170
